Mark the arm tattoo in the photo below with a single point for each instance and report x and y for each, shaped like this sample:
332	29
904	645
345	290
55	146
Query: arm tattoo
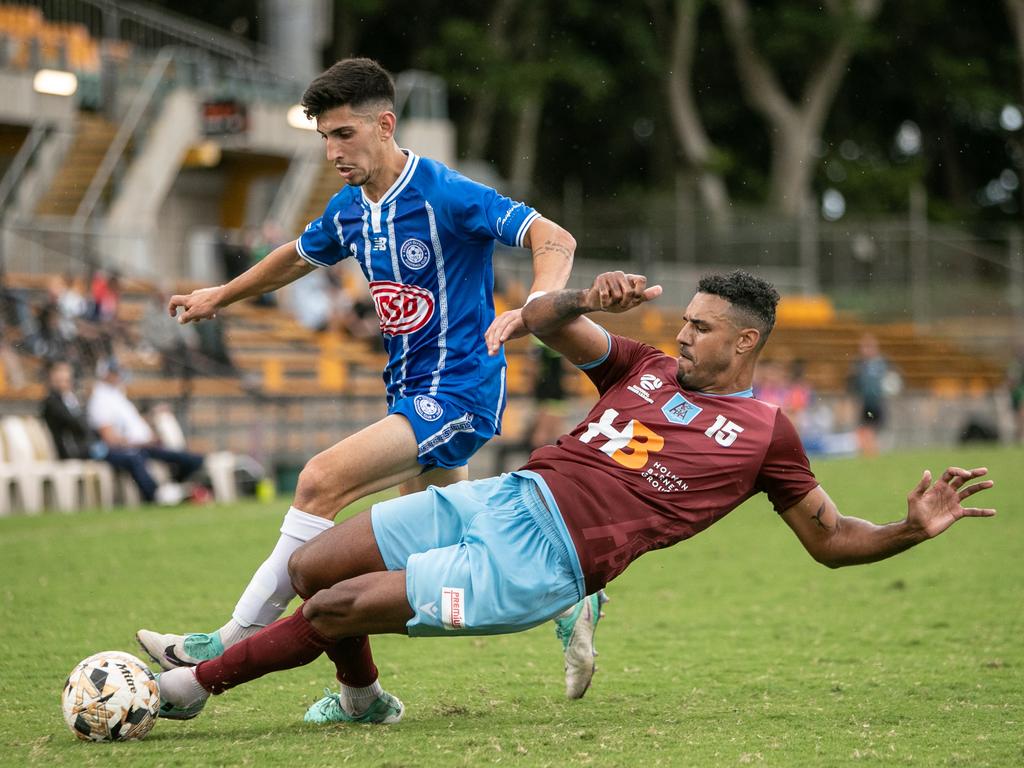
554	247
817	517
569	303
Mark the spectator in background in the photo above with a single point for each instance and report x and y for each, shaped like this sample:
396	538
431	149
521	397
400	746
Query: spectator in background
176	344
73	303
127	441
310	298
1015	383
105	296
261	242
48	340
64	414
868	384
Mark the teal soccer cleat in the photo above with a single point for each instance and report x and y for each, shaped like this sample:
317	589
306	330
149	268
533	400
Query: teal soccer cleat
385	710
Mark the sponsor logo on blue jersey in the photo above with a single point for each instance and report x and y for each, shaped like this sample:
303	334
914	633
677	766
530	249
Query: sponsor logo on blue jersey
499	225
679	410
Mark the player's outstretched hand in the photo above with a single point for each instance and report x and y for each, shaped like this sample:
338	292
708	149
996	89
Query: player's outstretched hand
619	292
935	507
506	326
201	304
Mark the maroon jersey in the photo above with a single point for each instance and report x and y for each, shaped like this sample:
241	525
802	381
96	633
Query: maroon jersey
653	464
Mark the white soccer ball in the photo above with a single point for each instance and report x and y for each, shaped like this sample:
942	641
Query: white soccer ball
110	696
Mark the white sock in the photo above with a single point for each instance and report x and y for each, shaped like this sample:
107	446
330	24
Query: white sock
233	632
355	701
180	687
270	589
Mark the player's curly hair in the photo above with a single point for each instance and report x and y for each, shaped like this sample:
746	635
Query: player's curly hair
349	82
754	298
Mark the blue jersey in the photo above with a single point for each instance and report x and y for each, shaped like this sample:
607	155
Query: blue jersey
426	250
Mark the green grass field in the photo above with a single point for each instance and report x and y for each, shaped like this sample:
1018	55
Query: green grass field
734	648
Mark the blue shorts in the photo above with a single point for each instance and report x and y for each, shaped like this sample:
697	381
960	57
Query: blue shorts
447	435
481	557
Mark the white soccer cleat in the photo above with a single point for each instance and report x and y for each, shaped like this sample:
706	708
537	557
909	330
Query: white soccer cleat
173	651
575	627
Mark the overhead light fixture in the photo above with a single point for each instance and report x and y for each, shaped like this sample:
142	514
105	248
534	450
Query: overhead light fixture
55	82
297	118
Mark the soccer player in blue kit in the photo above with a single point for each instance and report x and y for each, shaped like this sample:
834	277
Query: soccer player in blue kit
423	236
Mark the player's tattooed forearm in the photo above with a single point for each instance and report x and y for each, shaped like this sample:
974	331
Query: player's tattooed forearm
553	247
818	518
570	303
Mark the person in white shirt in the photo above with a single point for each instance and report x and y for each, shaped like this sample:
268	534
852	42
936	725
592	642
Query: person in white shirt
126	439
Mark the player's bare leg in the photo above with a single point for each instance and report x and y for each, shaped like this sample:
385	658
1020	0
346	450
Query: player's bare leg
378	457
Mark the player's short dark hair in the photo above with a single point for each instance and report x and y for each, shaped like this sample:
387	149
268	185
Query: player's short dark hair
349	82
753	298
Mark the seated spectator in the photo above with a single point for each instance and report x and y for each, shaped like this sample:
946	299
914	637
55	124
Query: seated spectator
105	296
311	300
127	441
64	415
48	340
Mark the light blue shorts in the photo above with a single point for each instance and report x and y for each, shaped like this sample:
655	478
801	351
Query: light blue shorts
447	435
481	557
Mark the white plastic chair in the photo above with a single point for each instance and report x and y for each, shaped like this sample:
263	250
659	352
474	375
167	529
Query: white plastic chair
9	486
219	465
96	484
33	477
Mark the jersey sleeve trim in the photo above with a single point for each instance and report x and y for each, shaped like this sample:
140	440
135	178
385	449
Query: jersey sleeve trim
521	234
306	256
602	358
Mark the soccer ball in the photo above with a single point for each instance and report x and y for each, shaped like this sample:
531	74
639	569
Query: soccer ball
110	696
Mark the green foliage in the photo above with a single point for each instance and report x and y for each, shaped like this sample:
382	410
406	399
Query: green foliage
733	648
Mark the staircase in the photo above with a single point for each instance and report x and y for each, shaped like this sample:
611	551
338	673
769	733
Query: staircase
83	158
327	185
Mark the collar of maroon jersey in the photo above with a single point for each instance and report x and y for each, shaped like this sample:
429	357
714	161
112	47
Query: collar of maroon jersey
748	392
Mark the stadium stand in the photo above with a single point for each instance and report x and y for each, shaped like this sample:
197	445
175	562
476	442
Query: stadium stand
289	392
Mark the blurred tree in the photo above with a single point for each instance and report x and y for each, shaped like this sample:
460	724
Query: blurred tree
352	20
921	105
701	155
796	125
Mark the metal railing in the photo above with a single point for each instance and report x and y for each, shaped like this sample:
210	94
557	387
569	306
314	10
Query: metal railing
150	28
143	100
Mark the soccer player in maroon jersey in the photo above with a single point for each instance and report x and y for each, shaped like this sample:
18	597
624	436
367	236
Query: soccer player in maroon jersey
671	446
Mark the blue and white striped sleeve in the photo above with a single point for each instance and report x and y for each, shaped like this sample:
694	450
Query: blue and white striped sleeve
484	212
320	244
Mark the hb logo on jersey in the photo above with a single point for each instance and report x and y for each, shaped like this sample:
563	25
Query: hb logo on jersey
401	308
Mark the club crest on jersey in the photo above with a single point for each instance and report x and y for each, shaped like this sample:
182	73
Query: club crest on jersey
680	410
427	407
415	253
401	308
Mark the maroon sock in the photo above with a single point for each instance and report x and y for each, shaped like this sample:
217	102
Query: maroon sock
285	644
354	661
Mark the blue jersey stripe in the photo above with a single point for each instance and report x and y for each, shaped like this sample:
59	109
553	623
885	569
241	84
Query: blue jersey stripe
397	271
442	299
